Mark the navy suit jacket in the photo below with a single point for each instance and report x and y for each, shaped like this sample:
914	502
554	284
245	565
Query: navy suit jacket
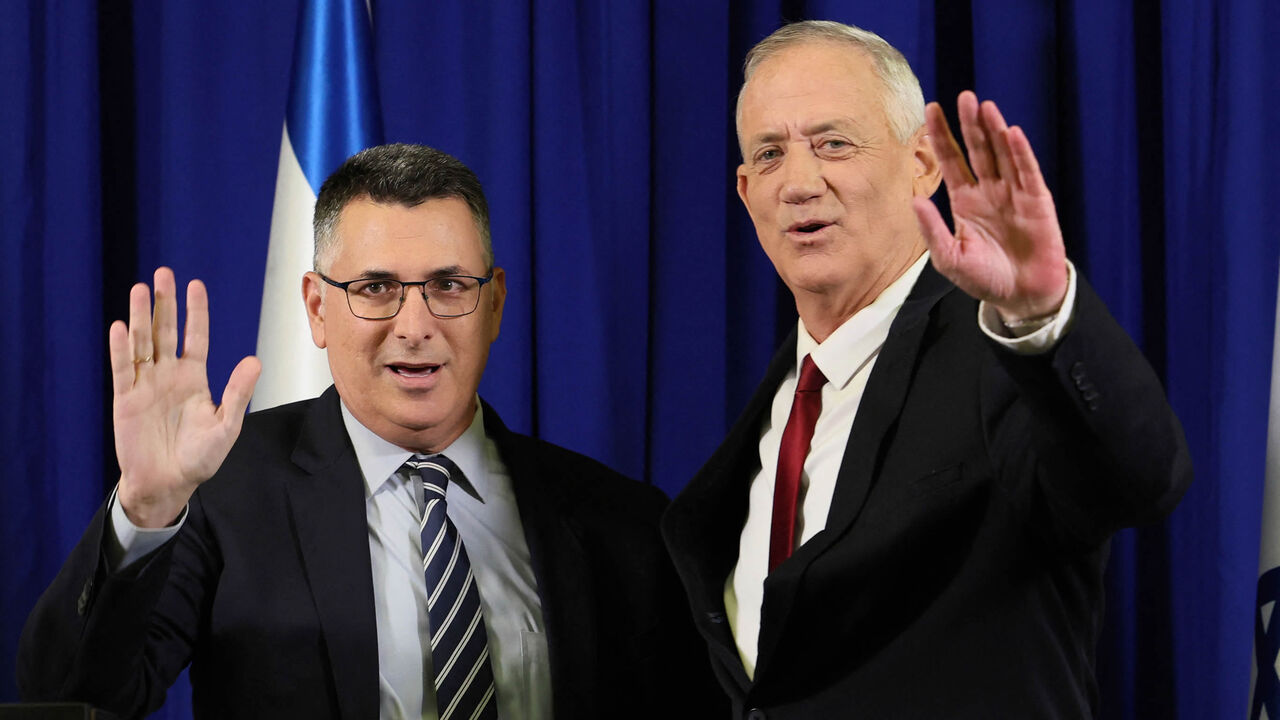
960	571
267	589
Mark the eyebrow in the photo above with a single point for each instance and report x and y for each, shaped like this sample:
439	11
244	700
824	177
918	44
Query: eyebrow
773	136
449	270
380	274
376	274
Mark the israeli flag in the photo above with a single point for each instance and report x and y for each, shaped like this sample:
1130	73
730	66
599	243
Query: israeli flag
1265	704
333	113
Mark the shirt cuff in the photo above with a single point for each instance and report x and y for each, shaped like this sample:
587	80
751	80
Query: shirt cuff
127	543
1042	340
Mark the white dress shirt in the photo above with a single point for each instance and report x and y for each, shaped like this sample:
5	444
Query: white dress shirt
482	506
846	358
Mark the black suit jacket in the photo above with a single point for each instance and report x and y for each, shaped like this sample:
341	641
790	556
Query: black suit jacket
960	571
267	589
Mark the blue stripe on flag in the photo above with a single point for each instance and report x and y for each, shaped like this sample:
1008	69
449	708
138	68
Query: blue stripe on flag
333	108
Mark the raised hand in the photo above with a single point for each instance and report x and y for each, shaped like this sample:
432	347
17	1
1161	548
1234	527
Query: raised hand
170	437
1007	248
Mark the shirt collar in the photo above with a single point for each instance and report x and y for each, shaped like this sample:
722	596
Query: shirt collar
379	459
859	338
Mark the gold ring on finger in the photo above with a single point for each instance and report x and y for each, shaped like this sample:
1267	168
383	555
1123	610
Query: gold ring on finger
139	361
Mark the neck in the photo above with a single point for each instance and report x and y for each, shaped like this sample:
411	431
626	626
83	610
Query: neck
824	312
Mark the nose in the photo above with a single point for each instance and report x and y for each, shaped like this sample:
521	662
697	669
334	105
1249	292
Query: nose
802	176
414	320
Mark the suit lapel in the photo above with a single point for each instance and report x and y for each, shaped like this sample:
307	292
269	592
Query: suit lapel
703	525
327	503
878	411
882	403
560	566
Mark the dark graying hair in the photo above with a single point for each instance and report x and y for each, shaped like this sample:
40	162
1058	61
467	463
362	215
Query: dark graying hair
901	94
403	174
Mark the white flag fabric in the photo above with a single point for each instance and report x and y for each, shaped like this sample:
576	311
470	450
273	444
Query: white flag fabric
1265	701
332	114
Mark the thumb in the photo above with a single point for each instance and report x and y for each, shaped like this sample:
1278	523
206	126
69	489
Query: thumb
235	397
944	248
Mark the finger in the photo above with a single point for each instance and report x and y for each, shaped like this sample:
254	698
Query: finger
955	172
235	397
1024	161
165	323
944	248
195	345
140	345
976	140
998	131
122	374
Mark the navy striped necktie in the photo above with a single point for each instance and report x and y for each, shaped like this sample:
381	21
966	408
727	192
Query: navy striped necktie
459	646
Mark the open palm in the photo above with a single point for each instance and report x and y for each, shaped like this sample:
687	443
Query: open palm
1007	247
169	435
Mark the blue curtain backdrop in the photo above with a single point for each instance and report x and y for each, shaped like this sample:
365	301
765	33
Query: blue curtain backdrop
642	312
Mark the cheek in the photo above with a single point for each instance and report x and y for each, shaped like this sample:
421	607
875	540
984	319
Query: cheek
872	198
761	194
358	347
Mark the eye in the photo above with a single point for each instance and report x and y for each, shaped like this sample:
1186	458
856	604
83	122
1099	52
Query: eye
768	155
376	288
449	285
834	146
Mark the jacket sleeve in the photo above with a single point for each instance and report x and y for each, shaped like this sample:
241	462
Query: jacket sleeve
1085	436
95	635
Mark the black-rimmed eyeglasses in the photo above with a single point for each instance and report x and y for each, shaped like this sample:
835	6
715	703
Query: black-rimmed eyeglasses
447	296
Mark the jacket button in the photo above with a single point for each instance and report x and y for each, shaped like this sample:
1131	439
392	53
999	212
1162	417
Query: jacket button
82	603
1077	371
757	714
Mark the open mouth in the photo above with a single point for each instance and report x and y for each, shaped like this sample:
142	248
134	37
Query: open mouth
808	228
413	370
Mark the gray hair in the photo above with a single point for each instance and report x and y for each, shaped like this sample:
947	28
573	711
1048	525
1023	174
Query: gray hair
407	175
901	95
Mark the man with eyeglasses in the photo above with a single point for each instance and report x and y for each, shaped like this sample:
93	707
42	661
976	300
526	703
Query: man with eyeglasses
387	550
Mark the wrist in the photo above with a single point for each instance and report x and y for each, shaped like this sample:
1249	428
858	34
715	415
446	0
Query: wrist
149	513
1031	312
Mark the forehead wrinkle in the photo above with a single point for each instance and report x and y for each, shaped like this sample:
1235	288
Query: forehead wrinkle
791	67
846	124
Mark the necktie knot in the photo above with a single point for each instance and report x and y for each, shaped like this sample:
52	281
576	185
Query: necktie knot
811	378
434	472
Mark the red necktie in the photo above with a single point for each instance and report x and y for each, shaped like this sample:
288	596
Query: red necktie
805	409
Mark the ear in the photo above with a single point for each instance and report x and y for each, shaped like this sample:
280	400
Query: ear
498	302
742	186
927	173
313	298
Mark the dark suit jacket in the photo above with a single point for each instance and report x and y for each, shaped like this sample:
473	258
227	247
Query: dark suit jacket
960	571
267	589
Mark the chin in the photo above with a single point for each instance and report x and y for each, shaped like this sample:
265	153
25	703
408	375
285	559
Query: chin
817	282
418	422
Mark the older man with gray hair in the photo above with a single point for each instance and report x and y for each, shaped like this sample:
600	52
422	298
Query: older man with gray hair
911	518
